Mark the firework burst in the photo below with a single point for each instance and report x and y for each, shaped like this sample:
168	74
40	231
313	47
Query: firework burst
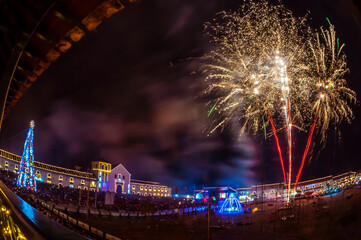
269	67
258	65
329	92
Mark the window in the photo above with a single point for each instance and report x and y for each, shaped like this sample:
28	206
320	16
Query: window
146	188
16	167
141	188
154	189
60	185
71	186
123	177
162	189
166	190
133	187
145	194
115	175
150	188
48	181
49	175
82	182
71	180
79	187
85	188
119	175
161	195
133	192
60	178
37	173
92	184
6	164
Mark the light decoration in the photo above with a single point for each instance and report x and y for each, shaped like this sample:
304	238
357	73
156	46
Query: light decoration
44	166
26	176
39	179
9	228
222	195
231	205
269	67
100	179
199	196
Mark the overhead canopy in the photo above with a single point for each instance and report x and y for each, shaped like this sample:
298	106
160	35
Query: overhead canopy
46	29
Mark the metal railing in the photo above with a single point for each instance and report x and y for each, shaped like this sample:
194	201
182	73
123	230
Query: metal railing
28	222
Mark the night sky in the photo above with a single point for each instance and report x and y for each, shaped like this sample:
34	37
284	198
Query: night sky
127	93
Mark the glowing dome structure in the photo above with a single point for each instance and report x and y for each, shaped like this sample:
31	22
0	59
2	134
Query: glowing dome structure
231	205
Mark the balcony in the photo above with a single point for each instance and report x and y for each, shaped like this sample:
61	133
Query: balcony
29	223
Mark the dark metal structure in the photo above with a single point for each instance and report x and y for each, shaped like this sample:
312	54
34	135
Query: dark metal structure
34	34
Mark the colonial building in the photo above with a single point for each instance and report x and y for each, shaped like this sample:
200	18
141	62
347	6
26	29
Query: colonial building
278	190
102	178
101	171
62	177
146	188
119	180
274	191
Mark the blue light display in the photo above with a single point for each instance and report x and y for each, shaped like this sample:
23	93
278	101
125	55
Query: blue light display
26	178
233	195
232	206
39	179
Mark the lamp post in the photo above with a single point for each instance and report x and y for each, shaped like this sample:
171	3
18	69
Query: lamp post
79	195
87	197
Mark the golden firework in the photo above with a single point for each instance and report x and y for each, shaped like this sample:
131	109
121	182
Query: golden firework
267	62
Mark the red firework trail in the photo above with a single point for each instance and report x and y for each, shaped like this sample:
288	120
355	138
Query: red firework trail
278	145
306	149
289	136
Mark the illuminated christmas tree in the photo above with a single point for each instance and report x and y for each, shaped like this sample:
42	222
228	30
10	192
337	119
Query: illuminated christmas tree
26	172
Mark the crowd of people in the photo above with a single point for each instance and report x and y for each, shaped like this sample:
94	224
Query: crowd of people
80	198
83	198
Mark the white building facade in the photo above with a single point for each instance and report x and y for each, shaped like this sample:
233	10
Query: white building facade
116	180
147	188
62	177
119	180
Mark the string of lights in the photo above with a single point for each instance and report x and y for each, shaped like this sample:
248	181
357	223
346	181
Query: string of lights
26	171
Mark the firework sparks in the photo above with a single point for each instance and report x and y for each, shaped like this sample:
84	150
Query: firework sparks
269	65
259	64
329	92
